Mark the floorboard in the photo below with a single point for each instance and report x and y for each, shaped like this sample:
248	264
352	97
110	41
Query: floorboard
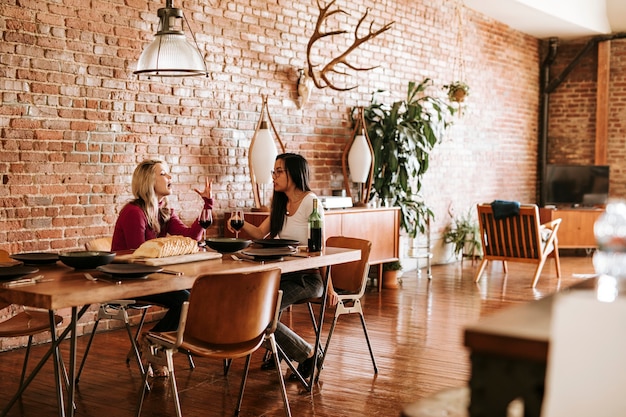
417	336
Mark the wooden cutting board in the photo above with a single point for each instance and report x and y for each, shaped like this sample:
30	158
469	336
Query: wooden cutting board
170	260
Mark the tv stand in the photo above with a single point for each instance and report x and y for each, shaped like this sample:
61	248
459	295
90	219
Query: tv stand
576	230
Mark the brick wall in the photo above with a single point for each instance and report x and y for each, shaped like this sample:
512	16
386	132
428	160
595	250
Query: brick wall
571	134
75	121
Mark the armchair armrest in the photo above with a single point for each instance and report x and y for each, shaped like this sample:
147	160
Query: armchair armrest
554	224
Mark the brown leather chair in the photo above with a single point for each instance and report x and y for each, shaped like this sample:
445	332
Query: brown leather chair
517	238
214	324
27	322
350	281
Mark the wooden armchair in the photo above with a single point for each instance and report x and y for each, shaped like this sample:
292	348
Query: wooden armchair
517	238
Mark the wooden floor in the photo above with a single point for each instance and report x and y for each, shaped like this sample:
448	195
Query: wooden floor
416	332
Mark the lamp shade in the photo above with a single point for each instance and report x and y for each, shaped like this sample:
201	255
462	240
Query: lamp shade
170	54
263	154
359	159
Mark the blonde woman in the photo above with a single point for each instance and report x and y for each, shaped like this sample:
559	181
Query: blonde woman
149	216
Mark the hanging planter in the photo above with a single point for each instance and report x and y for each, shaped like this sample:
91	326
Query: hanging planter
457	91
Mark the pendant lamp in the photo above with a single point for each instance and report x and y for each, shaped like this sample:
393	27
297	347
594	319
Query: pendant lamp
262	155
358	157
170	54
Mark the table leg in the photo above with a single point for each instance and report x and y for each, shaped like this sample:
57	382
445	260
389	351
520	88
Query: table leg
318	335
57	365
71	389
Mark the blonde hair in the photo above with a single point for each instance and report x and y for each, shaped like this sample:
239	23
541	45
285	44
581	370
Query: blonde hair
143	190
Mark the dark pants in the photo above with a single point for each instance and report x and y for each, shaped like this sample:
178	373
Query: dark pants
173	301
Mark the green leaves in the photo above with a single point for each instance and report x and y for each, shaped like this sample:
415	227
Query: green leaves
403	134
464	234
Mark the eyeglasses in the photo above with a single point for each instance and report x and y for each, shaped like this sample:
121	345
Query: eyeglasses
277	172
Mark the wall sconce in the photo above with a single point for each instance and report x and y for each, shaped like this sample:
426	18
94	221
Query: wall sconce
304	87
358	156
261	157
170	54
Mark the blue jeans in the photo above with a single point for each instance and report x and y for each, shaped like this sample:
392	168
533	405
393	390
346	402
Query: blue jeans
297	286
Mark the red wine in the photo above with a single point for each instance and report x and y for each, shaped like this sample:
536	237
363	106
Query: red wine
205	223
315	242
316	224
236	224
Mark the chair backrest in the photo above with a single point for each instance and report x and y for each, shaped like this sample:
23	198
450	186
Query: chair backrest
102	244
515	236
232	308
350	277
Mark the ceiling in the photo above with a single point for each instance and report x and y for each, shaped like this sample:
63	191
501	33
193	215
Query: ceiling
565	19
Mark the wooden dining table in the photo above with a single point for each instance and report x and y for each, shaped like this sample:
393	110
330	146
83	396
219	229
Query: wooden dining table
64	287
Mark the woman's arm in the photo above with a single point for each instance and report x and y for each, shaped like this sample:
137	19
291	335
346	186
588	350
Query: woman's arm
175	226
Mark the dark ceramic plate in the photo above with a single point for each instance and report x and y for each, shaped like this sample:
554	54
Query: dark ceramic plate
227	244
269	253
15	272
36	258
86	259
273	243
129	271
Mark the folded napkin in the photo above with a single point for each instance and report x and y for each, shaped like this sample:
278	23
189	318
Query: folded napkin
503	209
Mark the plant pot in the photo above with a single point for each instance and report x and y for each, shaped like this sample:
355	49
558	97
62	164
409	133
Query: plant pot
458	96
472	247
390	279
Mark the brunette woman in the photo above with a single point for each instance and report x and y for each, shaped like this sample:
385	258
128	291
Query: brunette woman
292	202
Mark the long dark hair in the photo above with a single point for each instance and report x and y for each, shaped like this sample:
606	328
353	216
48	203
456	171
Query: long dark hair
298	169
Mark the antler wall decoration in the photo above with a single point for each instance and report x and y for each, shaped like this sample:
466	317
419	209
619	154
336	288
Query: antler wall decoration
321	77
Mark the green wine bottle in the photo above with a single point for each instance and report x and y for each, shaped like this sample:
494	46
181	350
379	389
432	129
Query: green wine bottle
316	227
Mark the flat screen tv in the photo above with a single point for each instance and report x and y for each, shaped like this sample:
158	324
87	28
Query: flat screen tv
576	185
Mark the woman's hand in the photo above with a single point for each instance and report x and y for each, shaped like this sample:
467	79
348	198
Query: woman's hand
332	298
207	193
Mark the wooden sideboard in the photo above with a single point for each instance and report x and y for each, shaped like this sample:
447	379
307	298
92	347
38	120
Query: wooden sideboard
381	226
576	230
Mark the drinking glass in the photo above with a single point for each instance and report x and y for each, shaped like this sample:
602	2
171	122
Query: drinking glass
236	221
205	220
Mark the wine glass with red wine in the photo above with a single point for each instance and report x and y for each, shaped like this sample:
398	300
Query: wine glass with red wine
205	220
236	221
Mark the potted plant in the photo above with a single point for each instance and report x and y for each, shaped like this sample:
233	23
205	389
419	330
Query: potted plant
403	134
464	234
390	274
457	91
